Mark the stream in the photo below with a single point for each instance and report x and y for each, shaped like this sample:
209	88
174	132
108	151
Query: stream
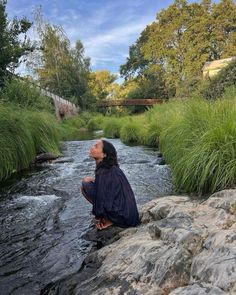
43	213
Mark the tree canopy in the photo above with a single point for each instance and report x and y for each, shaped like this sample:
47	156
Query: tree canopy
60	67
12	48
179	42
102	84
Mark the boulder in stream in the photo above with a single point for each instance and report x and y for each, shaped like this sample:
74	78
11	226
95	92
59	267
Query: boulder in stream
44	157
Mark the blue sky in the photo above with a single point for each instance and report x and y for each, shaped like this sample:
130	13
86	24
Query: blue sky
106	27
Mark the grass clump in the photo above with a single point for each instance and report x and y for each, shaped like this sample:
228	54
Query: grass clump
70	127
23	133
159	117
201	146
111	127
133	130
130	133
44	129
96	123
16	143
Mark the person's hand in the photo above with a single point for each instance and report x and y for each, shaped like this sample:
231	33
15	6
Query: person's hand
88	178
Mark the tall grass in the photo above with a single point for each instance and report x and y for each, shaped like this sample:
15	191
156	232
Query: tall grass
133	130
80	127
22	135
70	127
44	129
159	117
111	127
197	138
96	122
129	132
201	146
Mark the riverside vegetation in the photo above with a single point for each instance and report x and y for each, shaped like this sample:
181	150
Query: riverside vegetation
196	136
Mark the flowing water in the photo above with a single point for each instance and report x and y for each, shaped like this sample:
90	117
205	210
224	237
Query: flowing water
43	213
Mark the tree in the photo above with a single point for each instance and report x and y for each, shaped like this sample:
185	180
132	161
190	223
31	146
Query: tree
102	84
63	69
180	41
11	47
136	63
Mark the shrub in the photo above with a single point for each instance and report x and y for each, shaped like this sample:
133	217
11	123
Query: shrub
95	123
25	95
75	121
86	116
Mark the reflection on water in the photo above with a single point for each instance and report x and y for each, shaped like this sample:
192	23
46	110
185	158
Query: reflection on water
43	213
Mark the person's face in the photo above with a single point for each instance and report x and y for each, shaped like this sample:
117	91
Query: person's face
96	150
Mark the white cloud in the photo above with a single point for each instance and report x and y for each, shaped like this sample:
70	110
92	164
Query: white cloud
113	44
106	31
118	35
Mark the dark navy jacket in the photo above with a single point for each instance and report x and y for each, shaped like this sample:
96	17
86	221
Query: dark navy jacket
114	197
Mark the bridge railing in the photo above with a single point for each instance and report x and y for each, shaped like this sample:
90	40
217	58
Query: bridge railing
126	102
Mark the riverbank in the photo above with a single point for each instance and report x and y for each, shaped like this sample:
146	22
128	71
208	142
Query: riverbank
196	137
28	133
183	246
24	134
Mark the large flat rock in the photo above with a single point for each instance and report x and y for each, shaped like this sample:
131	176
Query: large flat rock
183	246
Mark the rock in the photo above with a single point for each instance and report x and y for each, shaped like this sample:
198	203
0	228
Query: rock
63	160
196	289
162	162
43	157
223	200
103	237
182	246
154	231
159	212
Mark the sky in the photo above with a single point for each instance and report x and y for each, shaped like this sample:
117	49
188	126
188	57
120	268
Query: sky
106	27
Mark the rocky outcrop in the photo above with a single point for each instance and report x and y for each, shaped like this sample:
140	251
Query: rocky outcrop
183	246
